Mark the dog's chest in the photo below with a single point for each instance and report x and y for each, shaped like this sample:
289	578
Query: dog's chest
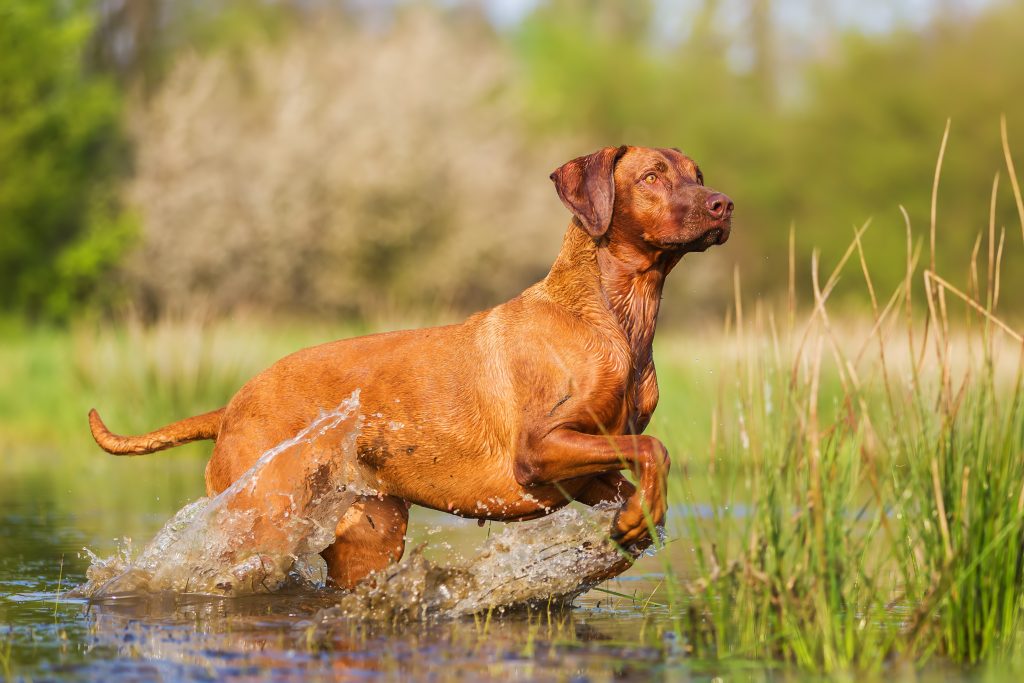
641	398
637	313
630	395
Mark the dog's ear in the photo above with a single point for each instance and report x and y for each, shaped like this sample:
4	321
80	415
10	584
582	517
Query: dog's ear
586	185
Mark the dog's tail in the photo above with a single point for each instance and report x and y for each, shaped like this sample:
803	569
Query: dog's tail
205	426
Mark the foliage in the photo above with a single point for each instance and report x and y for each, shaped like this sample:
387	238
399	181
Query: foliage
396	188
247	196
874	122
61	153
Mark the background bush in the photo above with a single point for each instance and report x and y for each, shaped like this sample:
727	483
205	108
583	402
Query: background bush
358	159
344	171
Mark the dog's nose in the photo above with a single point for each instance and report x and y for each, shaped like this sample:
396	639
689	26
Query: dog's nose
719	206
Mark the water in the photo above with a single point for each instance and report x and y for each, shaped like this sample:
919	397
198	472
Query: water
51	508
295	634
282	511
539	563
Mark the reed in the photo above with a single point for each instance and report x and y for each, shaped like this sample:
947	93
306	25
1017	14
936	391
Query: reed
884	473
6	646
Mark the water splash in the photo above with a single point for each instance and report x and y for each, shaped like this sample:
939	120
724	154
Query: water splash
270	525
550	560
278	515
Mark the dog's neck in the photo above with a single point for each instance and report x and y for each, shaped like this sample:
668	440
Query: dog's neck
621	279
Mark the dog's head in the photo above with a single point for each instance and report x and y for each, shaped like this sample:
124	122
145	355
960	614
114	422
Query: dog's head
654	199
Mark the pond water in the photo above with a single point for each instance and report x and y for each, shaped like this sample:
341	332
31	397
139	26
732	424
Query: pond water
49	513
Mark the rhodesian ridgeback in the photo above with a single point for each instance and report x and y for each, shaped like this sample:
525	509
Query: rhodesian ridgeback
518	410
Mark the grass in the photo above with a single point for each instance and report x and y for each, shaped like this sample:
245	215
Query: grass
140	376
888	520
6	645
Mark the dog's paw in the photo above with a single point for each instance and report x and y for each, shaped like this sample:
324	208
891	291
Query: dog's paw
631	527
637	517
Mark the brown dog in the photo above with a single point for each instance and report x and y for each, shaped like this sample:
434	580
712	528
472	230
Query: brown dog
517	410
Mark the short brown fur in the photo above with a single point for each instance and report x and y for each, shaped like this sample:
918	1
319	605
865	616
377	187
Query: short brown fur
515	411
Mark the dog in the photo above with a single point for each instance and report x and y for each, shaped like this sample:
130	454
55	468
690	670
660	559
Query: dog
518	410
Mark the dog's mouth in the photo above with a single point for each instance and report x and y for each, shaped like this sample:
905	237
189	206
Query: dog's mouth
717	234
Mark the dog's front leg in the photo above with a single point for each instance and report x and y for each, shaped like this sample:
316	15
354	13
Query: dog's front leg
568	454
606	488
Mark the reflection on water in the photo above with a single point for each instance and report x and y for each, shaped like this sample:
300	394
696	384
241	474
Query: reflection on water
46	515
272	637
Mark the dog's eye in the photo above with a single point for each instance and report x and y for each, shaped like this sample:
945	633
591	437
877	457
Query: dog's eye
700	178
650	178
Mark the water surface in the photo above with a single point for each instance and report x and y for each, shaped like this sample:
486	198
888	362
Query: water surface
48	513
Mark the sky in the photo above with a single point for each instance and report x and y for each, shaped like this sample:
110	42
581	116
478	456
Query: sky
867	15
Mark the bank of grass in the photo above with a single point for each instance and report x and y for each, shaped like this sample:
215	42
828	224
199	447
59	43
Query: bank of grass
884	522
140	376
887	521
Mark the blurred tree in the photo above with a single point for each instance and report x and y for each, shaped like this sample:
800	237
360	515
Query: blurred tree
61	151
868	137
136	40
807	124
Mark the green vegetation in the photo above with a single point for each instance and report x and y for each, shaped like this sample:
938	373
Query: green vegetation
139	376
886	518
849	449
889	525
61	155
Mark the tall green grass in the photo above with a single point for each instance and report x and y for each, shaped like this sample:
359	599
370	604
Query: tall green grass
887	522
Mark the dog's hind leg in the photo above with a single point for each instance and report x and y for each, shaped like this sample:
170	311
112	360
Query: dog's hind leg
370	536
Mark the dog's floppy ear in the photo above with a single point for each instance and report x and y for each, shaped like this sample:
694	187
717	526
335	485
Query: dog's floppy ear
586	185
